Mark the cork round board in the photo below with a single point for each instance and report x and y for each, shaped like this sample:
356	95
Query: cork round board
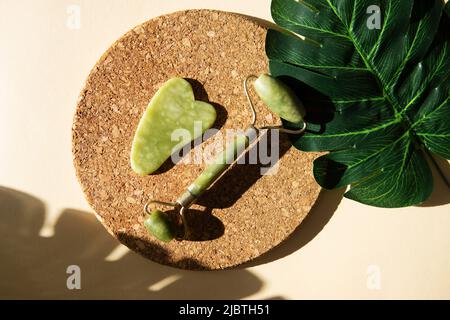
244	214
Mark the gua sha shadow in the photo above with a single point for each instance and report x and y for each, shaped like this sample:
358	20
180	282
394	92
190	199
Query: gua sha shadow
167	226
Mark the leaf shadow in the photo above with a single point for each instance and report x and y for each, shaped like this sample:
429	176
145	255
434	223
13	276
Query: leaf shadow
34	267
222	114
320	110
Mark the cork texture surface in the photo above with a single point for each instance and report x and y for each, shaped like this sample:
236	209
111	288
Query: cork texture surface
244	214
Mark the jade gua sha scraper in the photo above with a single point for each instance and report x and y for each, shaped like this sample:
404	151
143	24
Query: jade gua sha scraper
173	107
168	226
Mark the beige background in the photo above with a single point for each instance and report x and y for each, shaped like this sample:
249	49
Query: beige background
354	251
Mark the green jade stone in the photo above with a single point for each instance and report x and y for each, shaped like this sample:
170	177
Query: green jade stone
173	107
219	165
279	98
159	225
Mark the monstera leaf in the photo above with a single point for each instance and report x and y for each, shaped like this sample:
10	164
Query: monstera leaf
374	77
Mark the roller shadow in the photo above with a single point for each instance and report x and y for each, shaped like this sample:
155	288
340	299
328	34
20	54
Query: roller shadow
203	225
222	114
241	177
315	221
33	267
441	191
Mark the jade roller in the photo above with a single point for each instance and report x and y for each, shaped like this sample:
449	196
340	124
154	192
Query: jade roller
279	99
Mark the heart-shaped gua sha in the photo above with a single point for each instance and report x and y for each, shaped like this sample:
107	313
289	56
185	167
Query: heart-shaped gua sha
172	108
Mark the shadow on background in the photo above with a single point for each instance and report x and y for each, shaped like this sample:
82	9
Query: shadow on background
35	267
315	221
441	191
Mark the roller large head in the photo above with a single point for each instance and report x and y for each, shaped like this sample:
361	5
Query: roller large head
279	98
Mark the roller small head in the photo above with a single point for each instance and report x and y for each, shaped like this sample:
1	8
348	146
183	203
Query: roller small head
159	225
